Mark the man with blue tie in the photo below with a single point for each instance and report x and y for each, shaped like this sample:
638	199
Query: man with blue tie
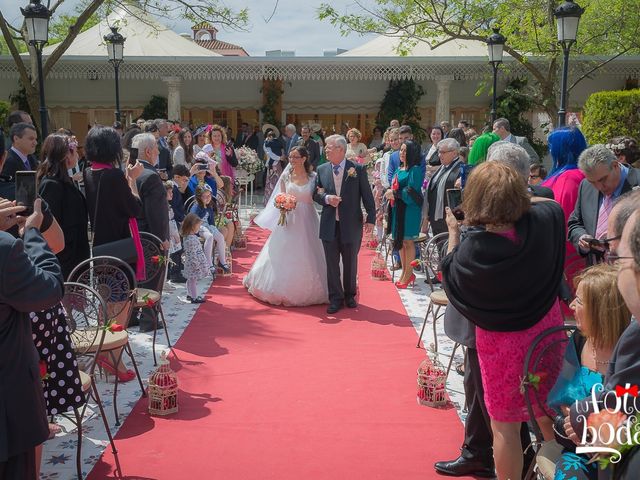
24	140
292	137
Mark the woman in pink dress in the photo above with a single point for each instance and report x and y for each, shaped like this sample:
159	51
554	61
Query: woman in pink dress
503	274
565	145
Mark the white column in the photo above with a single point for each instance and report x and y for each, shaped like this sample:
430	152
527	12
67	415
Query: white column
443	105
173	98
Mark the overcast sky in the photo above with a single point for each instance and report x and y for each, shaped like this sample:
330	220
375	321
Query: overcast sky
293	27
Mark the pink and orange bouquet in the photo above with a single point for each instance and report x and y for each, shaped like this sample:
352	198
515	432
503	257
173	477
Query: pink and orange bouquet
285	202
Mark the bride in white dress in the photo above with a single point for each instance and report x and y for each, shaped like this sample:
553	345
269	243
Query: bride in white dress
291	268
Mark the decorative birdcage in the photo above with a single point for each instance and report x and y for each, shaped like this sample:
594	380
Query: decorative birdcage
432	379
379	268
239	240
163	389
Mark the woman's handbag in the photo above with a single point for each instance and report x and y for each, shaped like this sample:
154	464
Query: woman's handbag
124	249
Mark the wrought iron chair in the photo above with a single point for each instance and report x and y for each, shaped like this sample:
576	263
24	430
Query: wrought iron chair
546	452
188	203
431	256
149	291
115	281
86	314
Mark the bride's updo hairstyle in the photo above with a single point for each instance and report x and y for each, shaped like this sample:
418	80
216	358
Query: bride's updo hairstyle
304	153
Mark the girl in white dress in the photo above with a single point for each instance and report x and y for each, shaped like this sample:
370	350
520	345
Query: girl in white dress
291	268
196	266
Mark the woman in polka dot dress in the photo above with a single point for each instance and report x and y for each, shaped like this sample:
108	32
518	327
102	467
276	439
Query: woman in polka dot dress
62	386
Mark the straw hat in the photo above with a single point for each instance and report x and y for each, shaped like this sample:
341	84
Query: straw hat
315	127
273	128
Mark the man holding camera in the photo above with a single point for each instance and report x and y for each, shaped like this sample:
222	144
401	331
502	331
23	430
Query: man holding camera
606	179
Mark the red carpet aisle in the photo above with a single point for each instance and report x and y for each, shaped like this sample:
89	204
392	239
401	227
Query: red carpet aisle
277	393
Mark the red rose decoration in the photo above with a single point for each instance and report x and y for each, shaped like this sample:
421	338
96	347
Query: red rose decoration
228	215
43	369
116	327
155	259
415	263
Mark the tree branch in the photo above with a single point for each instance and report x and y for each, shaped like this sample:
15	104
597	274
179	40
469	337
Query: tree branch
74	30
22	69
600	65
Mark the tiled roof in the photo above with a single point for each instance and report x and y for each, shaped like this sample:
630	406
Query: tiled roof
218	45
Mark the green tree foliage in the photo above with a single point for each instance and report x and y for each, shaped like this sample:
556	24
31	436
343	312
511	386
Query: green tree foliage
157	107
272	93
608	27
611	114
64	29
401	102
5	109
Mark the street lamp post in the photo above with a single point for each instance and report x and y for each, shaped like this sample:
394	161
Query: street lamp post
115	50
495	45
567	20
36	17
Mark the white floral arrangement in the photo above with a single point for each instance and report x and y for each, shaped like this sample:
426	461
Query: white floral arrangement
248	160
616	146
373	159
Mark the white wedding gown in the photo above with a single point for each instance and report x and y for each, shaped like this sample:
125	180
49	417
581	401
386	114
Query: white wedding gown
291	269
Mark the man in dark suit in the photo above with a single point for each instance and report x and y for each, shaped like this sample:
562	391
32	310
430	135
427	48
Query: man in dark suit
32	281
445	178
341	187
155	207
312	147
606	179
243	135
24	140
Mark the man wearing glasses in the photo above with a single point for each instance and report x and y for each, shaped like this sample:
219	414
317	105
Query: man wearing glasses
444	179
605	181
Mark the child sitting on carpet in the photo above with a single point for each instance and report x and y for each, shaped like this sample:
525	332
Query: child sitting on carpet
195	263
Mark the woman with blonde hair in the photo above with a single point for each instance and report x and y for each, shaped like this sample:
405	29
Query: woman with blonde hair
356	150
504	276
601	317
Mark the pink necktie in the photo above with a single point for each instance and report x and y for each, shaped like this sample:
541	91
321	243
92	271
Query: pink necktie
603	216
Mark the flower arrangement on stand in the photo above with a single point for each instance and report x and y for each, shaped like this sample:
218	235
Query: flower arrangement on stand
163	389
249	161
432	379
286	203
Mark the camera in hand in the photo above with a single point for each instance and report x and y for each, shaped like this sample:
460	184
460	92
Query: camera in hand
454	201
203	166
133	156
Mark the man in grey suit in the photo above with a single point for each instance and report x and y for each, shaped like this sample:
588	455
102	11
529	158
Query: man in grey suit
341	186
32	281
606	180
502	128
292	137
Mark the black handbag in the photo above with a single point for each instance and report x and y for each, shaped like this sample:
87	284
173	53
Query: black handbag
124	249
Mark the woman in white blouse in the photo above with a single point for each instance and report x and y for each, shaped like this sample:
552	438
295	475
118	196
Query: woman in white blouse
183	154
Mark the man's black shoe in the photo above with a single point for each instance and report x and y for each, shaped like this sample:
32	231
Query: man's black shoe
333	308
351	302
461	467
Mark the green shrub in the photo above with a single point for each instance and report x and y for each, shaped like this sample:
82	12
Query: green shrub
156	108
611	114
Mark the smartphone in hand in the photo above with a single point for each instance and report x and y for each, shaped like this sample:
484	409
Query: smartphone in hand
454	202
26	191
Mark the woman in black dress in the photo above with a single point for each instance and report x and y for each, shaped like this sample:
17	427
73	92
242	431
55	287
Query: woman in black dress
66	202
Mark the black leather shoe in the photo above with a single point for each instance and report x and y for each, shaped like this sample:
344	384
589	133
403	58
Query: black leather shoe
351	302
333	308
461	467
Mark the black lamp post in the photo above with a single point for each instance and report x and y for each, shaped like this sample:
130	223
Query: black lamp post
567	20
36	17
115	50
495	44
